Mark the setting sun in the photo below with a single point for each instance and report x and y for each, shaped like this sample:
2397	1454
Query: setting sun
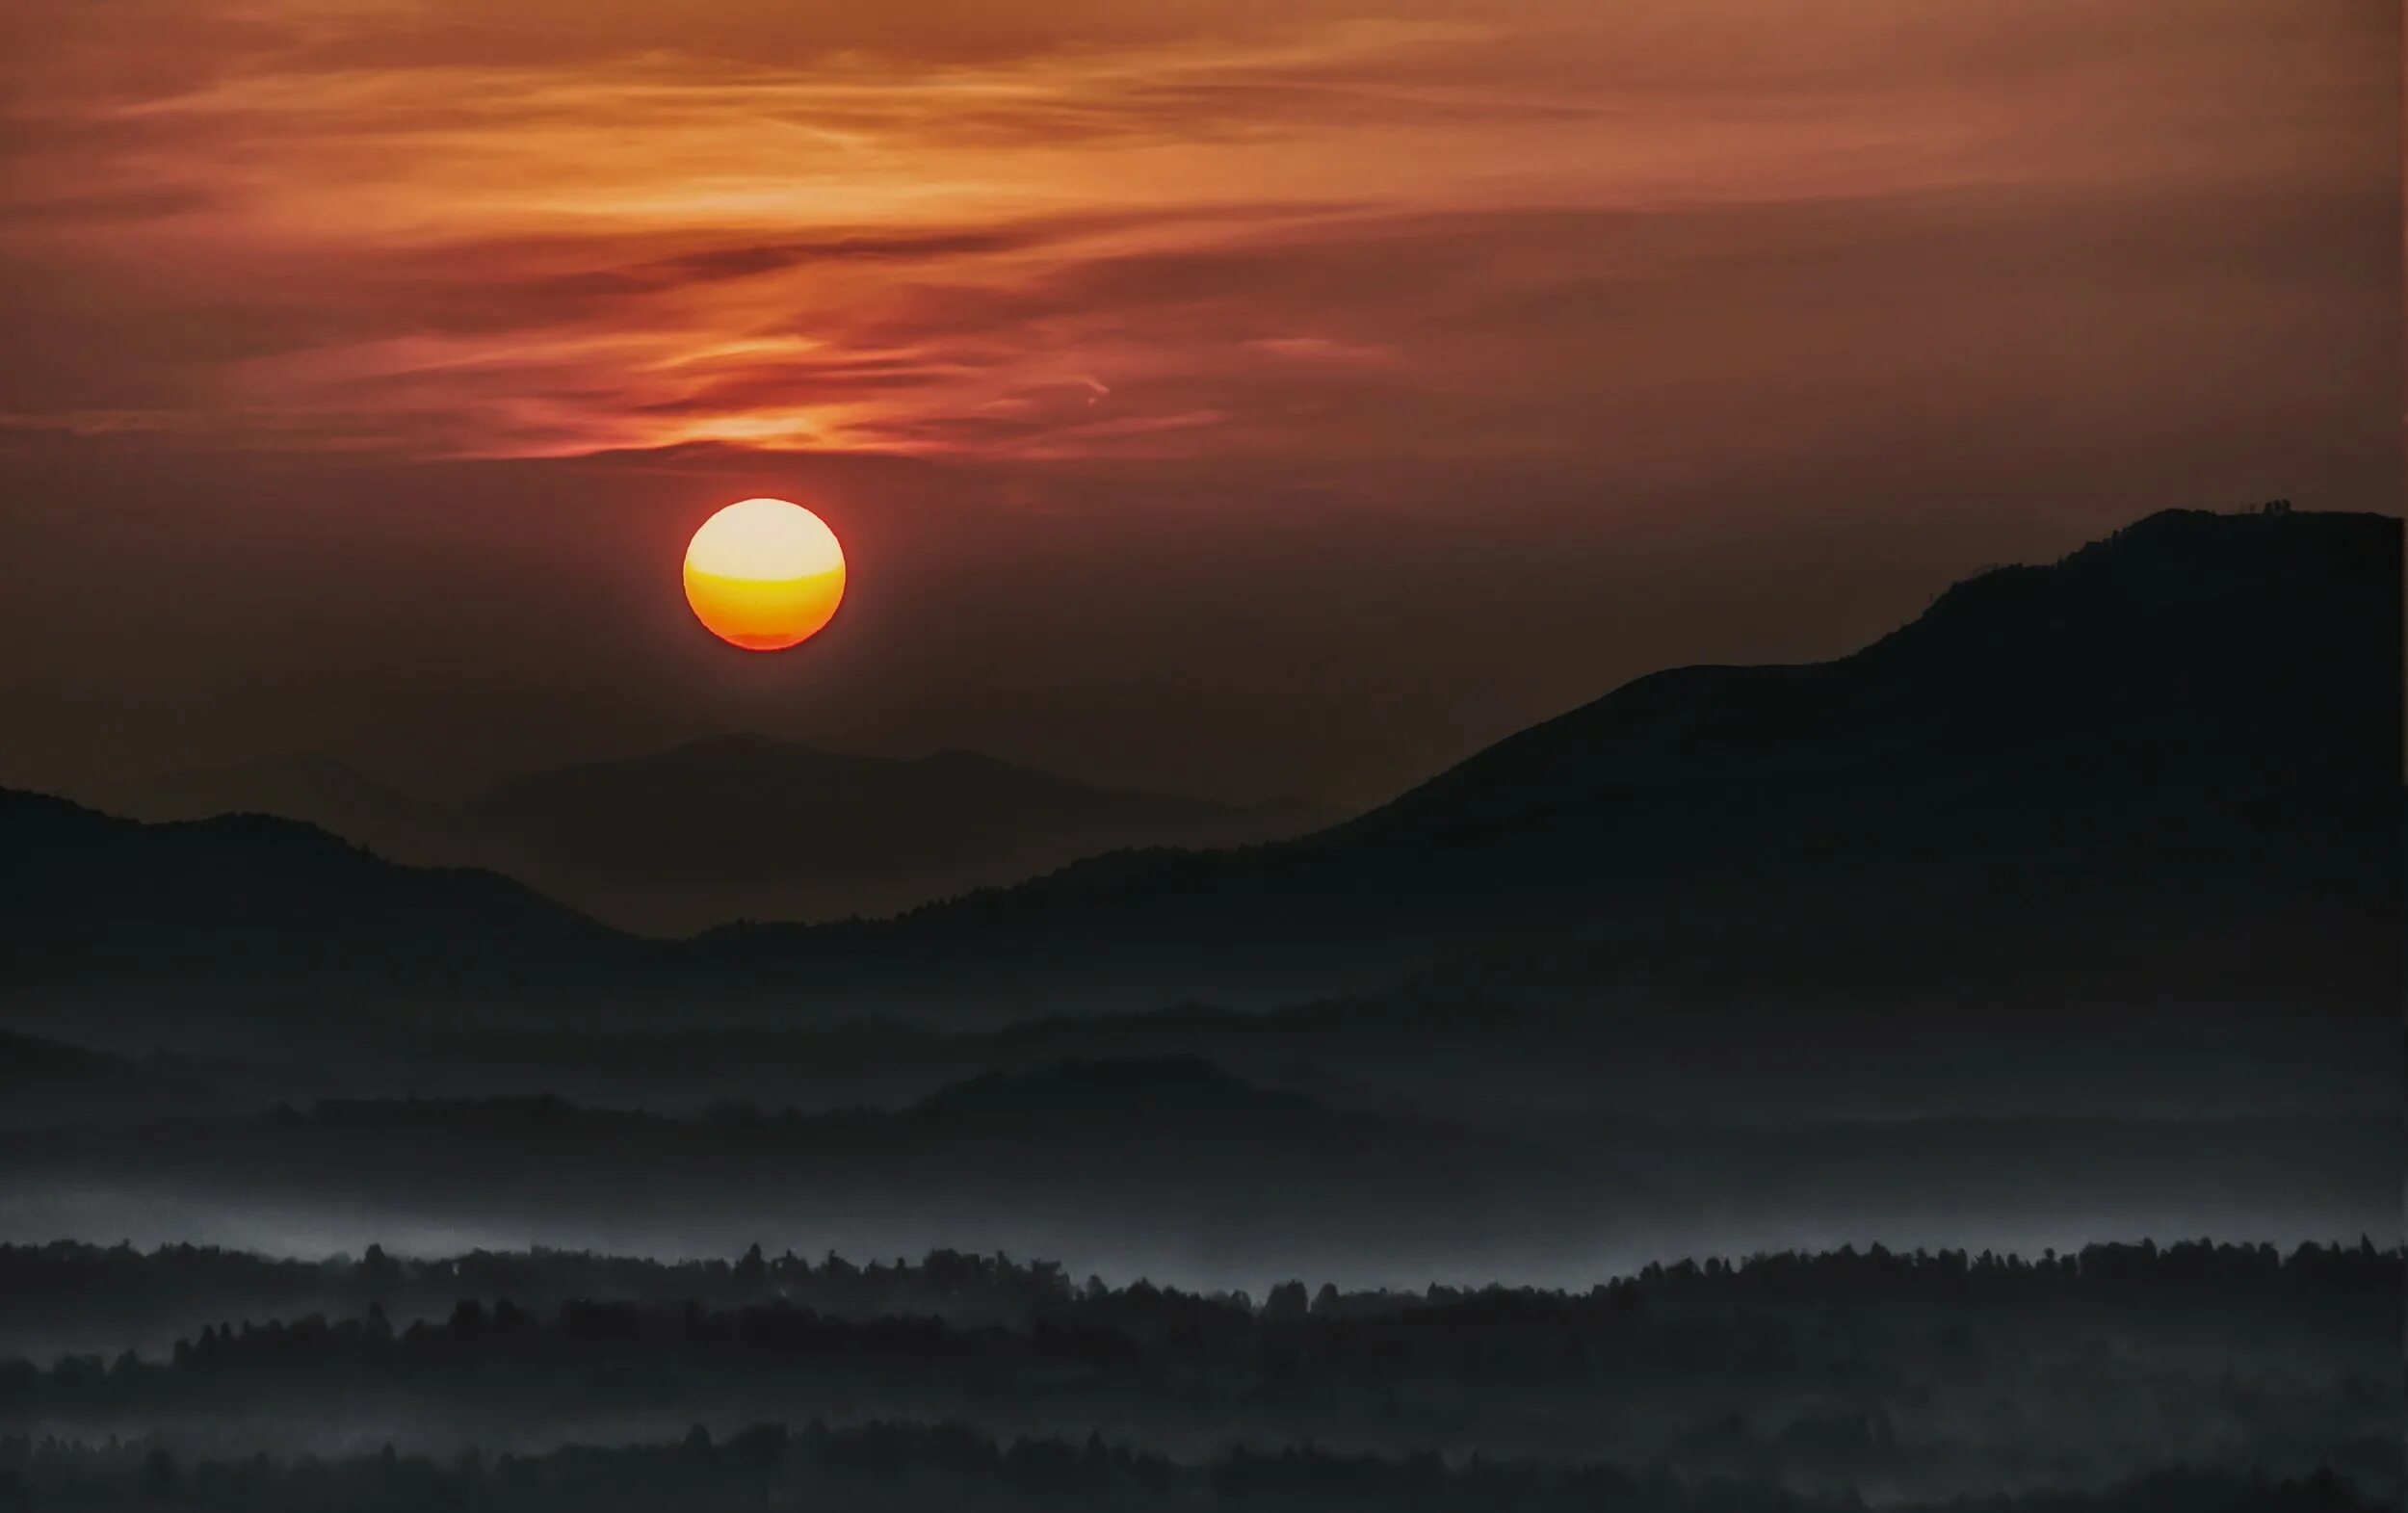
764	574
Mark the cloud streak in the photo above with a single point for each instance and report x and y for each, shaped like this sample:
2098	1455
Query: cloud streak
399	227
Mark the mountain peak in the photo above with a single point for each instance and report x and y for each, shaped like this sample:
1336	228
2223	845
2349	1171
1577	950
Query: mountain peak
2178	556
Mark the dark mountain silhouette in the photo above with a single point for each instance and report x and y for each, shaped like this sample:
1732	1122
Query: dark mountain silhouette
735	826
2186	736
84	892
29	1061
1115	1099
744	826
51	1081
1175	1167
1155	1155
2165	767
315	788
1105	1113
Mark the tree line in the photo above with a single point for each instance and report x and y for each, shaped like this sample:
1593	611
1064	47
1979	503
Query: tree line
65	1277
1933	1370
956	1465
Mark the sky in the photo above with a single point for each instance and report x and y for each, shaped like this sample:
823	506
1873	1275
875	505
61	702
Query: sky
1234	398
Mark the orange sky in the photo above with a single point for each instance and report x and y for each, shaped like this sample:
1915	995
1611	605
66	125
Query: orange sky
1543	281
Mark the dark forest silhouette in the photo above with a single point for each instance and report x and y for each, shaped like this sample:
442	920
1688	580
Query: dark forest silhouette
1784	1374
903	1466
108	1283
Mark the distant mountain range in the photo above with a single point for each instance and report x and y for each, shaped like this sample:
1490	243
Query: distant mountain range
2164	769
1160	1161
736	827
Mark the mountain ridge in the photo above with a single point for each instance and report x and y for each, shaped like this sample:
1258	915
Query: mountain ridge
733	825
2338	571
2171	745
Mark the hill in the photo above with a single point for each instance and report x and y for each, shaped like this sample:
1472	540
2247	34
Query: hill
87	896
2162	772
1175	1166
748	826
738	827
312	788
2184	738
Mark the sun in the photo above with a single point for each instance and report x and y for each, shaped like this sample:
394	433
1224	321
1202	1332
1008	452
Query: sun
764	574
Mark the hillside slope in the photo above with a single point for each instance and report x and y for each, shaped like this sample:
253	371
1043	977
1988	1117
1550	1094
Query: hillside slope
736	827
2165	769
85	895
2185	736
748	826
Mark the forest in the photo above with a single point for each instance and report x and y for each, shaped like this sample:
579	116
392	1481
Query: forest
884	1465
2117	1375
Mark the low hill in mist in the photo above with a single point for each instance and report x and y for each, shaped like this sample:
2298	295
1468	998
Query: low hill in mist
1173	1166
734	826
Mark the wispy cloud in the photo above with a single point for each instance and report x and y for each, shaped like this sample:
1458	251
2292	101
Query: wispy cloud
1084	231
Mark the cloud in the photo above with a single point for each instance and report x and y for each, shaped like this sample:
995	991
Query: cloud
1075	229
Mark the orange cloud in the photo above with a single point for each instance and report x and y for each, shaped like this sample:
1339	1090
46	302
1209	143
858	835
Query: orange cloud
1082	229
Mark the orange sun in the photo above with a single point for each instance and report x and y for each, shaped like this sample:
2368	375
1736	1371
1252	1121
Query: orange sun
764	574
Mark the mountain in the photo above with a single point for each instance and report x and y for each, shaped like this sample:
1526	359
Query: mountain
736	827
1119	1097
317	789
85	895
2175	752
748	826
30	1064
51	1082
1173	1165
2163	773
1168	1155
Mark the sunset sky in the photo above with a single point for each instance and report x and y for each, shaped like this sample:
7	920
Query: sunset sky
1234	398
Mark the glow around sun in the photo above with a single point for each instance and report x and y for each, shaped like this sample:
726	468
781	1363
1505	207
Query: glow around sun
764	574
